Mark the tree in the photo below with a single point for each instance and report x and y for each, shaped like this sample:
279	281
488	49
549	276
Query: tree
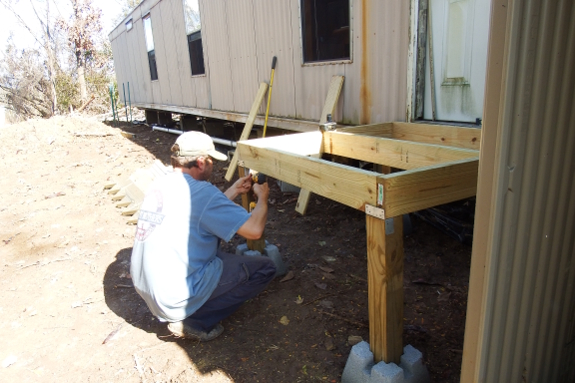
24	84
49	53
81	29
46	41
48	78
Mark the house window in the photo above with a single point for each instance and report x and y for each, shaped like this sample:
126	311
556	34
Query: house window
325	30
194	33
150	47
129	25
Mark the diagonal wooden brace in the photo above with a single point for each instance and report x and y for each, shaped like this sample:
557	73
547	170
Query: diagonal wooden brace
328	108
247	128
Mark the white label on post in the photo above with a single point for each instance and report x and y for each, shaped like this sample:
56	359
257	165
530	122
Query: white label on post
374	211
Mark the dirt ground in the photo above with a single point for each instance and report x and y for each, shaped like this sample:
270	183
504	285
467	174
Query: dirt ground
68	312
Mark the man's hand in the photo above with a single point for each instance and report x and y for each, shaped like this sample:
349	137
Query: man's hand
253	228
241	186
262	191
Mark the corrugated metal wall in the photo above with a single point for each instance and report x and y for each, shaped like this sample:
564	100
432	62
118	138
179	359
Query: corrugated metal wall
240	38
528	329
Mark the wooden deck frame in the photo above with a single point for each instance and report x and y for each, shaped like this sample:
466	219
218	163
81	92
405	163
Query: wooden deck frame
438	164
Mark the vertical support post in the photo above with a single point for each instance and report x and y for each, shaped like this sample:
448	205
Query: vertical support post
247	198
385	287
113	105
130	102
125	103
117	118
111	89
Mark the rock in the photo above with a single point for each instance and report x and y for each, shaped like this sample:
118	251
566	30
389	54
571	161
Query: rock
329	344
352	340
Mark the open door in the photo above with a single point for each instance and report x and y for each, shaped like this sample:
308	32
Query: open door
455	60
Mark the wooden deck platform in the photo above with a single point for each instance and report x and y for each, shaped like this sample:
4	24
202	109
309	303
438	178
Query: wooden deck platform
433	165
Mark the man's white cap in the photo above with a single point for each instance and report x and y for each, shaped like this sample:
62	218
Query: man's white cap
193	144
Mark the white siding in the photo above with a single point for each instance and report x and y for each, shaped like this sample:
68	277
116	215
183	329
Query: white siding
241	37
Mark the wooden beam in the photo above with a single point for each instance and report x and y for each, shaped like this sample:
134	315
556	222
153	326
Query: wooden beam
303	144
118	196
446	135
417	189
247	128
391	152
497	114
332	97
376	130
385	287
131	210
350	186
134	219
276	122
328	108
126	201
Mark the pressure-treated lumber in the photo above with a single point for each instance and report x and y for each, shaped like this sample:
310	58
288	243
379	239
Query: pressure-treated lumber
436	174
456	136
131	210
126	201
350	186
417	189
247	198
401	192
130	191
445	135
385	287
328	108
391	152
303	144
247	128
376	130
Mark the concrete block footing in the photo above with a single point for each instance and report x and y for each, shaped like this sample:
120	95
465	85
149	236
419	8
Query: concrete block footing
288	188
360	367
270	251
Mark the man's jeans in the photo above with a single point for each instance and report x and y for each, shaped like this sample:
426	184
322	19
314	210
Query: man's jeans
243	277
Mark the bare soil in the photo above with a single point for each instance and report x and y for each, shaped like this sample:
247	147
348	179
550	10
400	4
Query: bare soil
68	312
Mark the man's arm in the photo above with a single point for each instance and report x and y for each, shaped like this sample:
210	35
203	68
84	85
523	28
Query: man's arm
253	228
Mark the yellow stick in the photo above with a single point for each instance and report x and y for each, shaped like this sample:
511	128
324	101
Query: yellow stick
270	93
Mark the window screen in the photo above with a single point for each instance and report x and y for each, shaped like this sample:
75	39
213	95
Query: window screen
325	30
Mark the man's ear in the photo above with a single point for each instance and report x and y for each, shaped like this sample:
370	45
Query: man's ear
201	161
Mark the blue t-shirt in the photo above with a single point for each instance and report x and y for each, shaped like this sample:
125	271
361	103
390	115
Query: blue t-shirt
174	265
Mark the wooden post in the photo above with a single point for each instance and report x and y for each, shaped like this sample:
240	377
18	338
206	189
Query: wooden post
385	287
245	197
253	244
